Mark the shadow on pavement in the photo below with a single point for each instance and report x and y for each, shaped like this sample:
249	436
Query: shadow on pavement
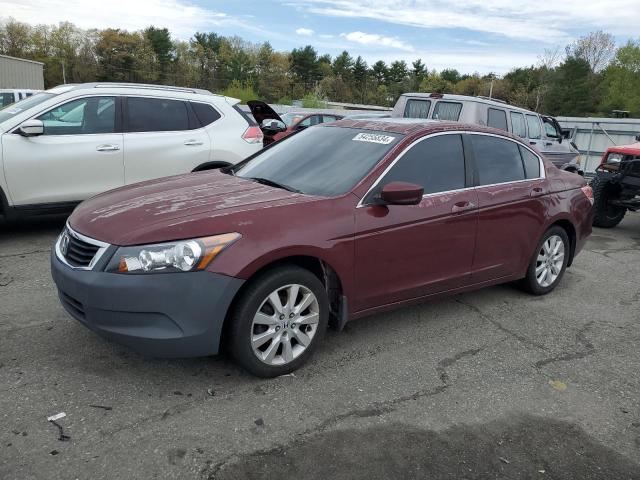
523	447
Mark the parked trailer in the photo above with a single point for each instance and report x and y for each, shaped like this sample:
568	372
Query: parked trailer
594	135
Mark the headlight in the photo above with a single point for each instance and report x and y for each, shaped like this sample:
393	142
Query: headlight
179	256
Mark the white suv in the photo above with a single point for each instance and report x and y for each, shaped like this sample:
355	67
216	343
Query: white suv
69	143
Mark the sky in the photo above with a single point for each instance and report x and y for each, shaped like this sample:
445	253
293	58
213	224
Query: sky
469	35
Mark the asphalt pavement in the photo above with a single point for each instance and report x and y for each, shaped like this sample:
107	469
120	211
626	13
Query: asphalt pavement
490	384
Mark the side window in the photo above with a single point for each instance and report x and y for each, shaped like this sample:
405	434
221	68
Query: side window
531	163
206	113
417	108
81	117
436	163
447	111
329	118
497	118
156	115
518	126
549	128
310	121
533	123
6	99
497	160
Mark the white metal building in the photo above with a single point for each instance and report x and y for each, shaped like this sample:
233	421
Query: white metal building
20	73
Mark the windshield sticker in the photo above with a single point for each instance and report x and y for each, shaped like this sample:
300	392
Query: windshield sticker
373	138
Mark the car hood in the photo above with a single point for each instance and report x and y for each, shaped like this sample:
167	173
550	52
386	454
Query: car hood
184	206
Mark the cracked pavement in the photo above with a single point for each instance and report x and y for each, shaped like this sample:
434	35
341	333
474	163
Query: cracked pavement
464	387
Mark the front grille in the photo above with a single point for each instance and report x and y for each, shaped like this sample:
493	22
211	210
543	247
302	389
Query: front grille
79	253
73	306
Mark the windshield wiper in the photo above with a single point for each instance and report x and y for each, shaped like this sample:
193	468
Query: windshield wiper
272	183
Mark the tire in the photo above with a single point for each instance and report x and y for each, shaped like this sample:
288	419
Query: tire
282	330
531	282
606	215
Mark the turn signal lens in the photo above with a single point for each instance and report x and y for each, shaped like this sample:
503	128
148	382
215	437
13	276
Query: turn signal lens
180	256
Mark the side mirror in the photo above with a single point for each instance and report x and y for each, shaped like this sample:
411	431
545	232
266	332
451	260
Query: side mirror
638	138
31	128
402	193
271	126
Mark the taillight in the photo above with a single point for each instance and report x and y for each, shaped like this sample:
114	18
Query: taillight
588	192
253	135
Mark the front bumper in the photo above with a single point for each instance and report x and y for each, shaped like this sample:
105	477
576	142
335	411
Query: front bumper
158	315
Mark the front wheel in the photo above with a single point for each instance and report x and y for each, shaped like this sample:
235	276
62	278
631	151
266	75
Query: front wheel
279	320
606	215
548	263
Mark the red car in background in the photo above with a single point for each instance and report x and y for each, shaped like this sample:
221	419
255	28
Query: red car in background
338	222
275	127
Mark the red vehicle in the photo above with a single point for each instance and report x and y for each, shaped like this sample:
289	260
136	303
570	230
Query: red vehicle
276	127
337	222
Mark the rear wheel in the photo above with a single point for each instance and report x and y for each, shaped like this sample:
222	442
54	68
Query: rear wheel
548	263
606	214
278	322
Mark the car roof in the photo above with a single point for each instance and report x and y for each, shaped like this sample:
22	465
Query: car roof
633	149
418	127
141	87
468	98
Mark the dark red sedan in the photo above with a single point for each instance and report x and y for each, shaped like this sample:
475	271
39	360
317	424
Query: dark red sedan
334	223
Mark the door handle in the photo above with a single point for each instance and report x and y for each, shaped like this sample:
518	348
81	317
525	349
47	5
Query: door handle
536	192
107	148
460	207
532	143
193	142
548	144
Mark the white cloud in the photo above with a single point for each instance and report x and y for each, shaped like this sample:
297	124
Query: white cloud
182	17
376	40
306	32
519	19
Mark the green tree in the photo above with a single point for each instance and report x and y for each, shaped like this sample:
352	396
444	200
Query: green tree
360	74
572	90
418	73
304	66
162	46
380	72
621	82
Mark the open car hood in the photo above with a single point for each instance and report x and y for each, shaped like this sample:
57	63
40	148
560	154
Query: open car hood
261	111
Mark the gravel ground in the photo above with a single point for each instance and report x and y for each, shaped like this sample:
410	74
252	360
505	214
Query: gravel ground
489	384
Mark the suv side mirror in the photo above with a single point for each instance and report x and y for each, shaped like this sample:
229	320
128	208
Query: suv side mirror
31	128
402	193
638	138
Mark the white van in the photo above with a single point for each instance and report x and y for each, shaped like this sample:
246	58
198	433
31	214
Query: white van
9	96
542	132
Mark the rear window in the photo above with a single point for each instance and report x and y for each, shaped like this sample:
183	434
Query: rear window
417	108
497	118
497	160
156	115
533	122
206	113
517	124
531	163
325	161
447	111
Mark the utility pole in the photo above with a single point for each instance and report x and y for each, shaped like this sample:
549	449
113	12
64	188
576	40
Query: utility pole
491	89
64	76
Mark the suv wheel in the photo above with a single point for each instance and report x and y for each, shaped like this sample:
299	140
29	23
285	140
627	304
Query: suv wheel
548	263
606	215
278	321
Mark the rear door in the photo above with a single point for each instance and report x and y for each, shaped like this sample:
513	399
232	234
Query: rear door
511	207
162	137
78	155
408	251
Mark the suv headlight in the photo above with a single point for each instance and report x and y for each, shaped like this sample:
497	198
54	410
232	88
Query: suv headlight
179	256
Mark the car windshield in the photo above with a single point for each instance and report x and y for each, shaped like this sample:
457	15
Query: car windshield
291	118
324	161
12	110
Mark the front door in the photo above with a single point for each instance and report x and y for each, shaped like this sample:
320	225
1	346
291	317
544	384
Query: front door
79	154
404	252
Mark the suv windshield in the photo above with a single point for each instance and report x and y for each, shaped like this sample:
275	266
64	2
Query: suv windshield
324	161
10	111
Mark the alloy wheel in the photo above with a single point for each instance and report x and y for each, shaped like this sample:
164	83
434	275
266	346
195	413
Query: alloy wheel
550	261
285	324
